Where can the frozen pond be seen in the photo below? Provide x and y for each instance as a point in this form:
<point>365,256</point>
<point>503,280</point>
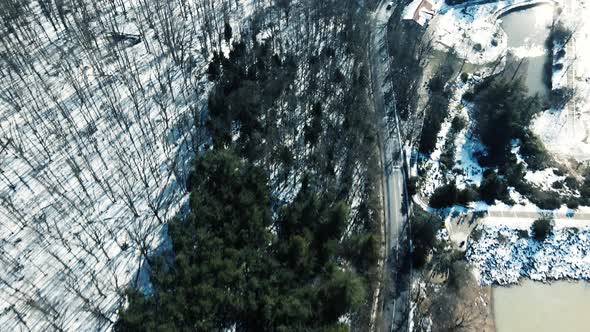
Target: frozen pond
<point>527,32</point>
<point>537,307</point>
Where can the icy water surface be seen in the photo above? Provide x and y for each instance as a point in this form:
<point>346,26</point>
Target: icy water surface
<point>537,307</point>
<point>527,32</point>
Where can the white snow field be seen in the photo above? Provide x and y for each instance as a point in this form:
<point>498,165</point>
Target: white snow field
<point>95,142</point>
<point>566,132</point>
<point>503,256</point>
<point>471,32</point>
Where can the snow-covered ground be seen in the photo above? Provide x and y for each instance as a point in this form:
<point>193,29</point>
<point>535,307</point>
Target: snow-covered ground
<point>566,132</point>
<point>467,169</point>
<point>96,140</point>
<point>95,144</point>
<point>503,255</point>
<point>471,32</point>
<point>435,176</point>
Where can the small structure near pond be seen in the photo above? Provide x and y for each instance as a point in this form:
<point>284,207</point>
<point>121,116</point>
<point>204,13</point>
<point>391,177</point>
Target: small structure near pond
<point>420,11</point>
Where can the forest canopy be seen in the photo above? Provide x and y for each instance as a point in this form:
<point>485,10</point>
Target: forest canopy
<point>233,267</point>
<point>246,257</point>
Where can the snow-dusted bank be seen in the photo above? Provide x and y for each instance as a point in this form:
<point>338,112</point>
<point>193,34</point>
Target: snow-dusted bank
<point>503,255</point>
<point>565,130</point>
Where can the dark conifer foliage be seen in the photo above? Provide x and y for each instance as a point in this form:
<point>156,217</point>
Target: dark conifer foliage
<point>229,268</point>
<point>248,256</point>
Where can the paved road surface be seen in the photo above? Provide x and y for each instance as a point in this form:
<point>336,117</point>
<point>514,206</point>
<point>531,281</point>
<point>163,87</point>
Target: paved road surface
<point>393,177</point>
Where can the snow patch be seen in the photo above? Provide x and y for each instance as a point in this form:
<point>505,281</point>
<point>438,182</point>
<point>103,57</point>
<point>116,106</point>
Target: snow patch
<point>503,255</point>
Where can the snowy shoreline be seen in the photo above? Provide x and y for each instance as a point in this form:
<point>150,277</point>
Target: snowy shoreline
<point>503,255</point>
<point>505,252</point>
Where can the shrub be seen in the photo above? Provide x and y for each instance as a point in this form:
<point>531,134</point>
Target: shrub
<point>585,189</point>
<point>447,157</point>
<point>572,183</point>
<point>423,234</point>
<point>438,108</point>
<point>468,96</point>
<point>548,71</point>
<point>560,33</point>
<point>573,203</point>
<point>435,115</point>
<point>523,234</point>
<point>464,77</point>
<point>467,195</point>
<point>460,275</point>
<point>561,96</point>
<point>444,196</point>
<point>493,187</point>
<point>546,200</point>
<point>504,111</point>
<point>413,185</point>
<point>557,185</point>
<point>542,228</point>
<point>533,151</point>
<point>458,124</point>
<point>476,234</point>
